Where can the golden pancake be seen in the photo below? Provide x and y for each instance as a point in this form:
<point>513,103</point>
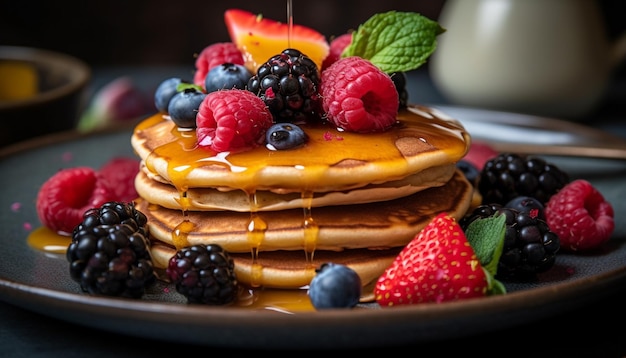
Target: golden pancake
<point>208,199</point>
<point>331,160</point>
<point>374,225</point>
<point>292,269</point>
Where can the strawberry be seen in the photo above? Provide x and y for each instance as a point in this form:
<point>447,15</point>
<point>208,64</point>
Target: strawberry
<point>581,216</point>
<point>438,265</point>
<point>259,38</point>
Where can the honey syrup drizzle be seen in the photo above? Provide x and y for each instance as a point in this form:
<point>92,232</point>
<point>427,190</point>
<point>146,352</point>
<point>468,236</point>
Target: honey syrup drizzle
<point>246,170</point>
<point>184,157</point>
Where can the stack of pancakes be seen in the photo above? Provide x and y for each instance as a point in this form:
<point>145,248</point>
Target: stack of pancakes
<point>350,198</point>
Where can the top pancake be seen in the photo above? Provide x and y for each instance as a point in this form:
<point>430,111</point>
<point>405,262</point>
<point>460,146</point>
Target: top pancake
<point>330,161</point>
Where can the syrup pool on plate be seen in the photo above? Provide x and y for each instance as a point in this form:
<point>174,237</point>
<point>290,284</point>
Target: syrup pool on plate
<point>285,301</point>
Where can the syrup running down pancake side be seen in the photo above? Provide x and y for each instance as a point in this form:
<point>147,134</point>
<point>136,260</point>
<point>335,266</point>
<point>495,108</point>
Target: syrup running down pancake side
<point>371,229</point>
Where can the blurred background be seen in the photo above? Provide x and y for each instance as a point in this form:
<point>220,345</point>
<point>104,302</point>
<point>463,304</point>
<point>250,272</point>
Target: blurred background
<point>167,32</point>
<point>156,39</point>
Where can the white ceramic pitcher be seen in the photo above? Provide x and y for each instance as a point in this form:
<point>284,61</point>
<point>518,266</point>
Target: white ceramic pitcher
<point>545,57</point>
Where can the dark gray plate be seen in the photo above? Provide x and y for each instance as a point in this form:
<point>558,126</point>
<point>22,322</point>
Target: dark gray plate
<point>40,282</point>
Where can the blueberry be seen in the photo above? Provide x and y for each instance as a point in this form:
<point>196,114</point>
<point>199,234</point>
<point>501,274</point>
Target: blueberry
<point>335,286</point>
<point>165,91</point>
<point>282,136</point>
<point>184,106</point>
<point>527,204</point>
<point>472,174</point>
<point>227,76</point>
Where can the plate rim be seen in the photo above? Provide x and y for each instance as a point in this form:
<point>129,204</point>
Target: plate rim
<point>549,299</point>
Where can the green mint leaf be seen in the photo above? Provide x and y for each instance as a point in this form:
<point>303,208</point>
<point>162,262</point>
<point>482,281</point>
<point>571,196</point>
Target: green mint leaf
<point>486,235</point>
<point>395,41</point>
<point>184,85</point>
<point>494,287</point>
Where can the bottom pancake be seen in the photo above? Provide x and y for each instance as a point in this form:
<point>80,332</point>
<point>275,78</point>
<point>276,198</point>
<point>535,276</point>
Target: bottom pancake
<point>293,269</point>
<point>374,225</point>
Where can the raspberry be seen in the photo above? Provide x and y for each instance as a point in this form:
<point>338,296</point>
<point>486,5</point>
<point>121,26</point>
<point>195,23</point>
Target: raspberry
<point>213,55</point>
<point>358,97</point>
<point>232,120</point>
<point>64,197</point>
<point>337,45</point>
<point>120,172</point>
<point>581,216</point>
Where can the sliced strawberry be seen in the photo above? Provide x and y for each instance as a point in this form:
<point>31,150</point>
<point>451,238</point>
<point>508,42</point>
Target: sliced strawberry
<point>64,197</point>
<point>438,265</point>
<point>581,216</point>
<point>259,38</point>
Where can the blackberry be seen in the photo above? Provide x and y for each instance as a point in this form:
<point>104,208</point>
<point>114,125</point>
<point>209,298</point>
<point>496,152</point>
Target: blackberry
<point>529,245</point>
<point>510,175</point>
<point>528,204</point>
<point>110,251</point>
<point>204,274</point>
<point>399,80</point>
<point>288,84</point>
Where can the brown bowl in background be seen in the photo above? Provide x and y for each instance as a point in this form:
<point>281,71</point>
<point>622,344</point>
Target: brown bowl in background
<point>41,92</point>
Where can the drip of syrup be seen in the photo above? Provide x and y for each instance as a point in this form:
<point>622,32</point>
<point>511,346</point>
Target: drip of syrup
<point>289,22</point>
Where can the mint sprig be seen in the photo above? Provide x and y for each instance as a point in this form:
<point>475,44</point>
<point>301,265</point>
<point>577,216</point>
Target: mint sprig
<point>486,236</point>
<point>395,41</point>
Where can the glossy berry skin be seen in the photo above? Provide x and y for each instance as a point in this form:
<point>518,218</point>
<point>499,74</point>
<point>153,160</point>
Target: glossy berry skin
<point>281,136</point>
<point>288,84</point>
<point>530,247</point>
<point>510,175</point>
<point>227,76</point>
<point>164,93</point>
<point>335,286</point>
<point>183,107</point>
<point>399,80</point>
<point>215,55</point>
<point>110,252</point>
<point>528,204</point>
<point>204,274</point>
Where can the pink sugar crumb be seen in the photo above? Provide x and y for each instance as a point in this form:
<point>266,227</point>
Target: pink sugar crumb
<point>67,156</point>
<point>15,207</point>
<point>28,226</point>
<point>328,136</point>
